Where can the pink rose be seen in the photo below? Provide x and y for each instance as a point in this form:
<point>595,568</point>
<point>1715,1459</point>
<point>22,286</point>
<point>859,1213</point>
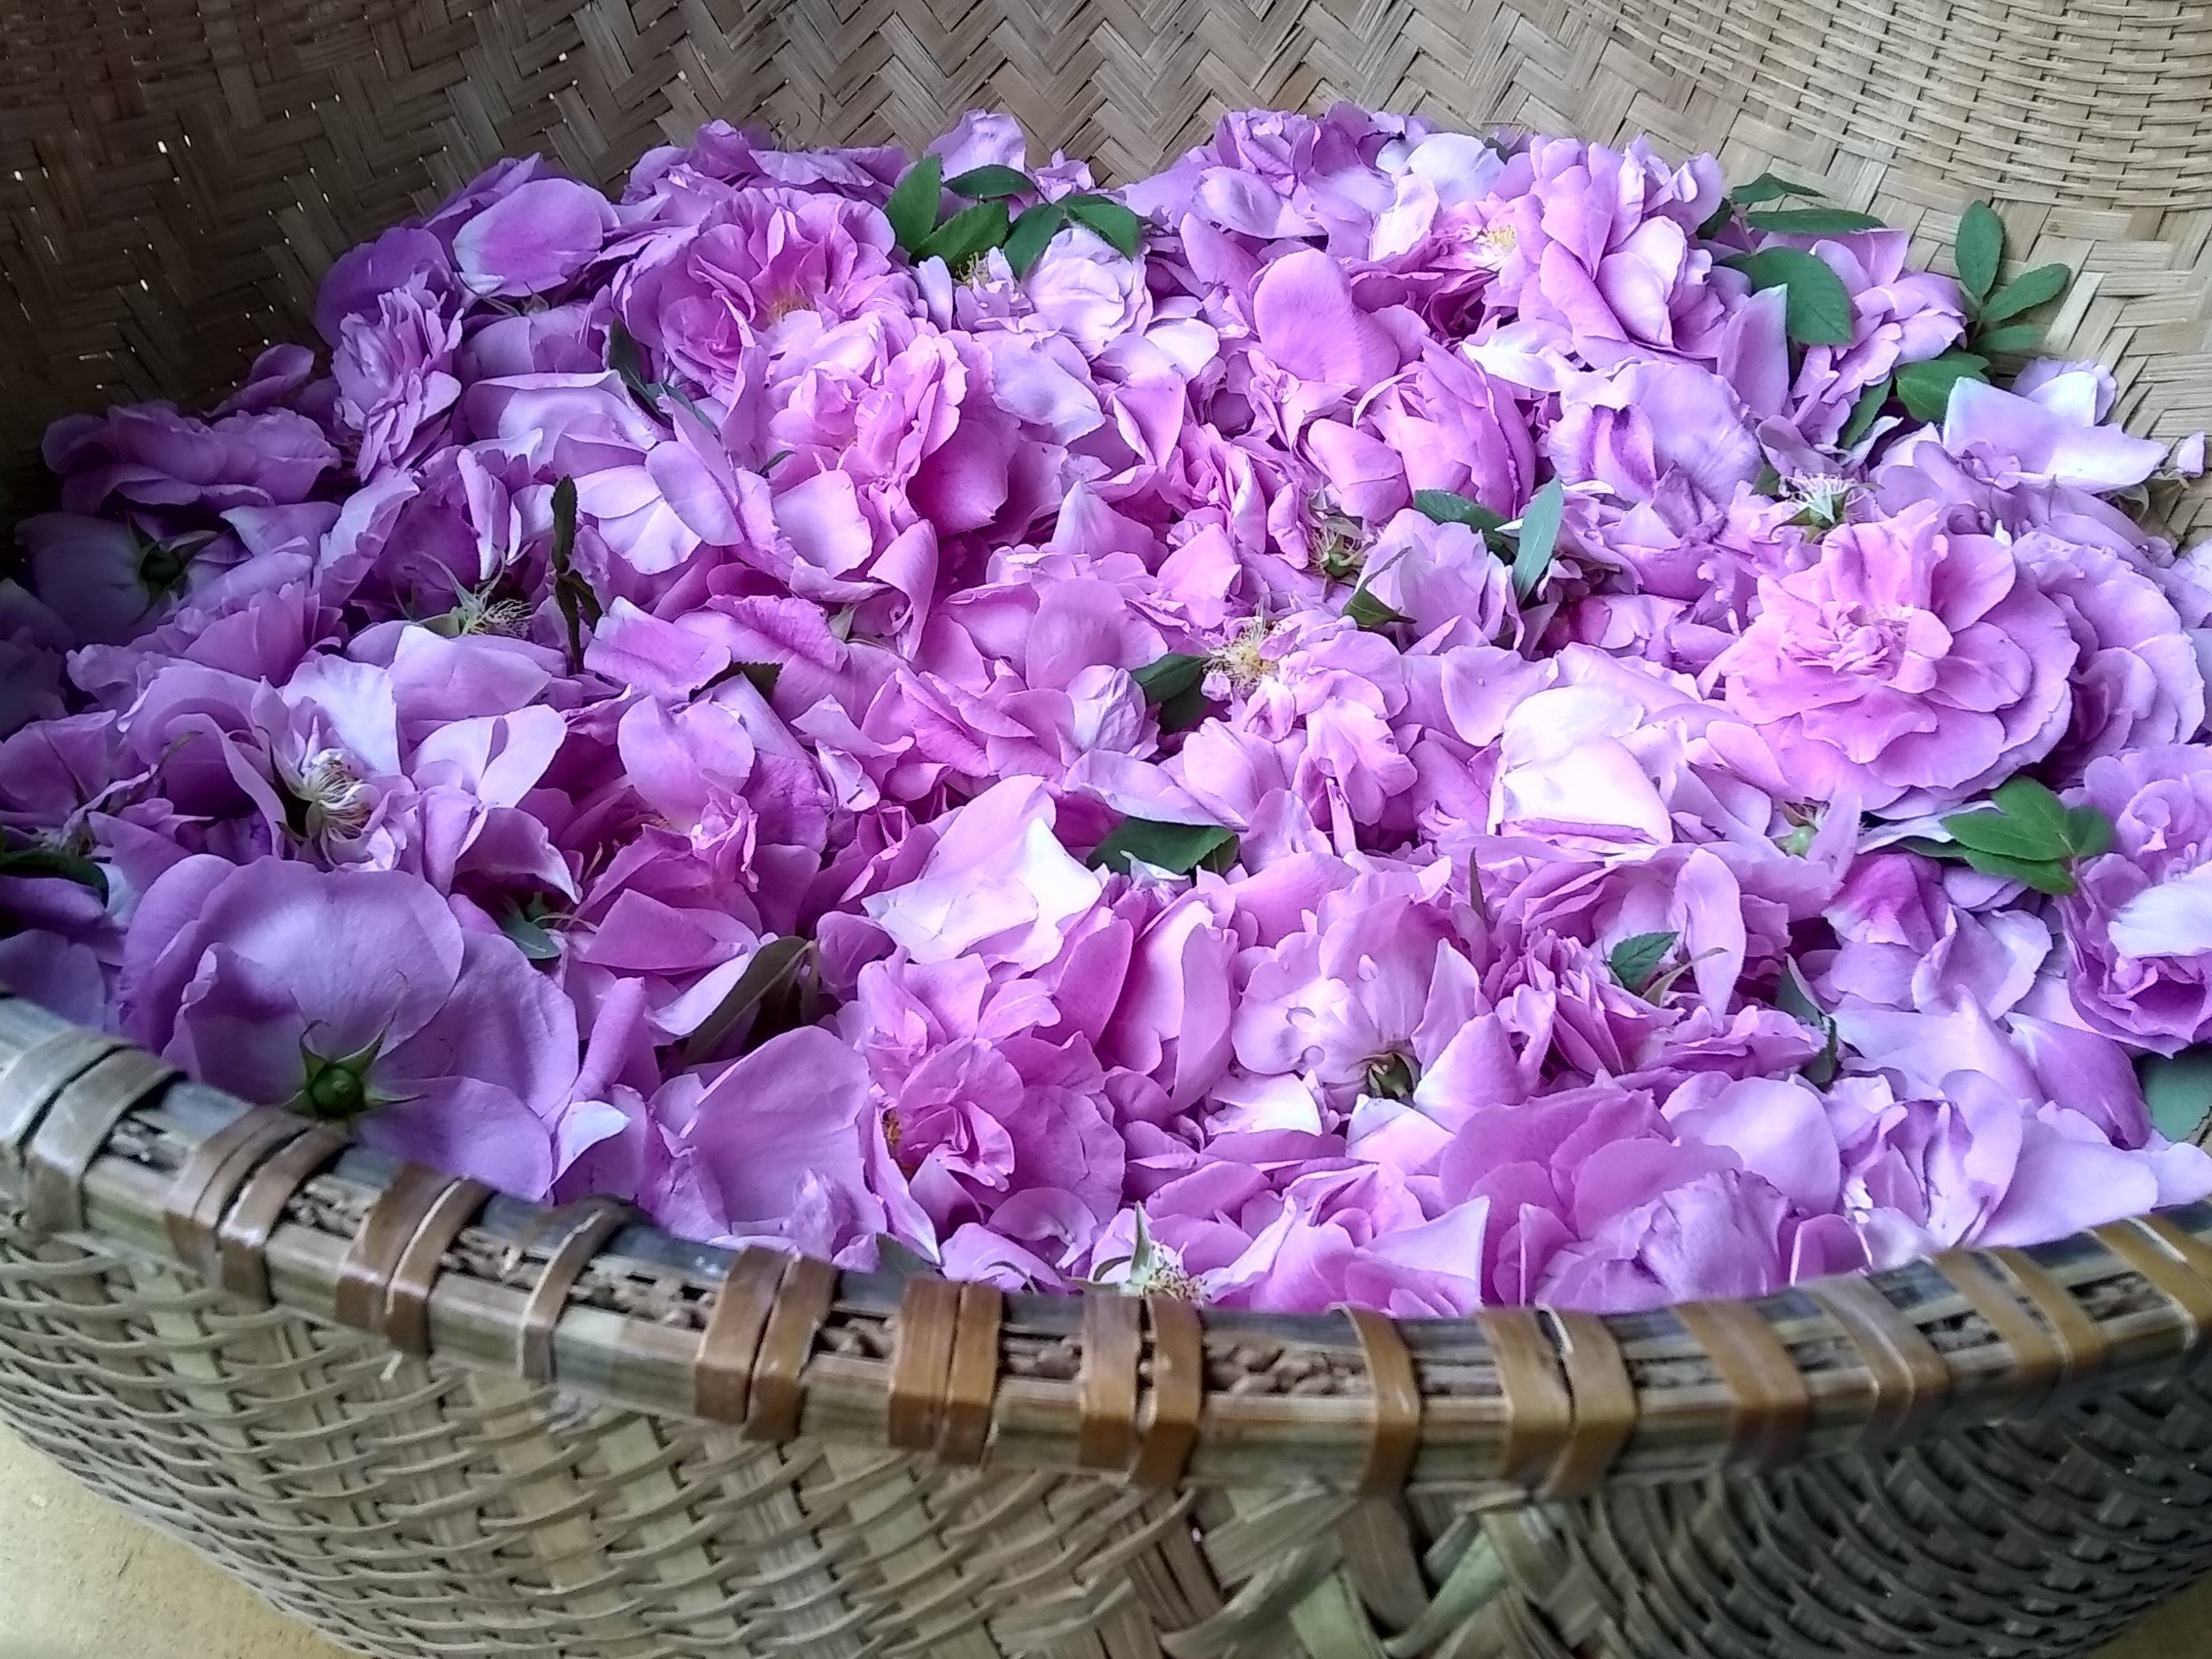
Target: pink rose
<point>1918,666</point>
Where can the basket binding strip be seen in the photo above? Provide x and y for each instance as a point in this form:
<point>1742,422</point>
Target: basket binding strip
<point>437,1423</point>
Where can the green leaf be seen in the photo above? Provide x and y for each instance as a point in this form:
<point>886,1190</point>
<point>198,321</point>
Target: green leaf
<point>1865,412</point>
<point>1767,187</point>
<point>1183,711</point>
<point>1109,218</point>
<point>773,964</point>
<point>1819,306</point>
<point>2030,836</point>
<point>2026,291</point>
<point>1717,221</point>
<point>1981,249</point>
<point>1821,1070</point>
<point>1367,611</point>
<point>1391,1077</point>
<point>531,937</point>
<point>2024,798</point>
<point>2178,1091</point>
<point>563,527</point>
<point>163,567</point>
<point>1924,387</point>
<point>1637,958</point>
<point>1444,506</point>
<point>912,209</point>
<point>2017,340</point>
<point>570,592</point>
<point>2004,835</point>
<point>336,1088</point>
<point>623,355</point>
<point>1794,998</point>
<point>894,1258</point>
<point>1033,234</point>
<point>2044,875</point>
<point>581,599</point>
<point>2088,831</point>
<point>624,359</point>
<point>1927,846</point>
<point>763,676</point>
<point>1812,222</point>
<point>1166,678</point>
<point>1178,848</point>
<point>1538,537</point>
<point>982,183</point>
<point>969,231</point>
<point>55,861</point>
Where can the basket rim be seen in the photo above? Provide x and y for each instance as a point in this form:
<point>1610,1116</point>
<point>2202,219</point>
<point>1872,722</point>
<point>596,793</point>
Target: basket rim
<point>116,1152</point>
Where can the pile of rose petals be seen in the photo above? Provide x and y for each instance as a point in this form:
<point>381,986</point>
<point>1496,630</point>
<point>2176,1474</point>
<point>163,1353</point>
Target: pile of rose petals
<point>1377,718</point>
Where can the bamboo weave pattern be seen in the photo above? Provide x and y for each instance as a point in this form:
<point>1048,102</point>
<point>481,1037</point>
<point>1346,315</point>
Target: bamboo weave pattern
<point>355,1385</point>
<point>418,1510</point>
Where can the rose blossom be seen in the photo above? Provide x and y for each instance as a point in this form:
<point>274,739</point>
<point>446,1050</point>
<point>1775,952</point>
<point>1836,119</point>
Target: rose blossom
<point>702,295</point>
<point>1601,242</point>
<point>531,237</point>
<point>31,639</point>
<point>152,455</point>
<point>2137,683</point>
<point>1906,942</point>
<point>2140,929</point>
<point>392,374</point>
<point>401,259</point>
<point>1444,423</point>
<point>1914,664</point>
<point>1638,427</point>
<point>1899,316</point>
<point>1268,173</point>
<point>354,996</point>
<point>103,578</point>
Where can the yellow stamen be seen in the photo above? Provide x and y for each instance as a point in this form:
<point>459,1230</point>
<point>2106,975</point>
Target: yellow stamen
<point>1494,243</point>
<point>1243,662</point>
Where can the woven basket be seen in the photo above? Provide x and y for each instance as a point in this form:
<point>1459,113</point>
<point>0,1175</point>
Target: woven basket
<point>433,1424</point>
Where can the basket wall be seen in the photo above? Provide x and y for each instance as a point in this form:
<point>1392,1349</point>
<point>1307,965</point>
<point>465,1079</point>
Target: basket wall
<point>1858,1502</point>
<point>430,1510</point>
<point>175,174</point>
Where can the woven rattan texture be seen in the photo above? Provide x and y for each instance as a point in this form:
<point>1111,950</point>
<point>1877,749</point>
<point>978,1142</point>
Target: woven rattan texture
<point>421,1510</point>
<point>412,1510</point>
<point>175,174</point>
<point>2019,1540</point>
